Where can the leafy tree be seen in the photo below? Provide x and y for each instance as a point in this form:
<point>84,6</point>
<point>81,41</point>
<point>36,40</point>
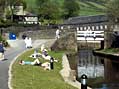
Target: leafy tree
<point>12,3</point>
<point>71,8</point>
<point>41,2</point>
<point>2,7</point>
<point>113,10</point>
<point>48,10</point>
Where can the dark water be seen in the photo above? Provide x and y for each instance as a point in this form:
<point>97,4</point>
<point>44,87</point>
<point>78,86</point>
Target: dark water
<point>93,67</point>
<point>90,65</point>
<point>109,86</point>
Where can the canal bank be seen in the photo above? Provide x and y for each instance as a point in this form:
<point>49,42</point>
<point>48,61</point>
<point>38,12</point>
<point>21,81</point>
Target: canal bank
<point>68,43</point>
<point>111,64</point>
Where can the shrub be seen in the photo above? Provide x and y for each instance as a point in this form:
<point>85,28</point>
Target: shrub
<point>5,43</point>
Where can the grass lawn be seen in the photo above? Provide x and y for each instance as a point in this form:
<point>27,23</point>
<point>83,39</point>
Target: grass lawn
<point>96,5</point>
<point>35,77</point>
<point>110,50</point>
<point>89,12</point>
<point>91,8</point>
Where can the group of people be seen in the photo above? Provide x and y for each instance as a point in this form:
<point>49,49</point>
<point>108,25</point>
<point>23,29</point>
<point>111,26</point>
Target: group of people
<point>28,42</point>
<point>36,62</point>
<point>44,54</point>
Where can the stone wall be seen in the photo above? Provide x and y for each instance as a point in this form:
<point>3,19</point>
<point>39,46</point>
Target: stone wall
<point>67,42</point>
<point>40,34</point>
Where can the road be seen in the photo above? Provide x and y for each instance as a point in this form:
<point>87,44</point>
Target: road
<point>10,54</point>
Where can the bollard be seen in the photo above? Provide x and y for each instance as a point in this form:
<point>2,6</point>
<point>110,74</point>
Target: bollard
<point>51,63</point>
<point>83,81</point>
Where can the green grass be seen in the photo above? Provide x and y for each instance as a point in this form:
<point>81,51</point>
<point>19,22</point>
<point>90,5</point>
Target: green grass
<point>111,50</point>
<point>96,5</point>
<point>83,4</point>
<point>35,77</point>
<point>90,12</point>
<point>91,8</point>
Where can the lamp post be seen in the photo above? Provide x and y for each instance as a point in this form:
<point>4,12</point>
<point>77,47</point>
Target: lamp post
<point>83,81</point>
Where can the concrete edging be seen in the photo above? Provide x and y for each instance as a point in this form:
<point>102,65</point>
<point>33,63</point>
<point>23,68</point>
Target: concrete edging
<point>65,73</point>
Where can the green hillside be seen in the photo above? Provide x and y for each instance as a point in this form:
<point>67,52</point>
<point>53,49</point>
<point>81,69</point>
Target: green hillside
<point>91,8</point>
<point>86,7</point>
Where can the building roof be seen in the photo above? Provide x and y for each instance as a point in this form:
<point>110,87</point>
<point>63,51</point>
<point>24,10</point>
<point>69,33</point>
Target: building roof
<point>87,19</point>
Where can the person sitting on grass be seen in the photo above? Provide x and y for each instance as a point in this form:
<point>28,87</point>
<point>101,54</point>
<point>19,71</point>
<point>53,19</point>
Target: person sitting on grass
<point>42,47</point>
<point>45,65</point>
<point>46,56</point>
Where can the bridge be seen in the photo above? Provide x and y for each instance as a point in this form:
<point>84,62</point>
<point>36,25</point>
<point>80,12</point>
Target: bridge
<point>94,33</point>
<point>89,28</point>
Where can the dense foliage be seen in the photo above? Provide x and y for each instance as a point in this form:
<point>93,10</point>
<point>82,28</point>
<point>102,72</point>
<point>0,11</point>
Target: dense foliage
<point>53,11</point>
<point>48,9</point>
<point>113,10</point>
<point>71,8</point>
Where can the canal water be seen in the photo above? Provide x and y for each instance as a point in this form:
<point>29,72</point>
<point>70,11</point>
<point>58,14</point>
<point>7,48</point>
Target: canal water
<point>93,67</point>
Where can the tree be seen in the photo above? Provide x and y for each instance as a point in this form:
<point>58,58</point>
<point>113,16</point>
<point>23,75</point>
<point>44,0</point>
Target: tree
<point>48,10</point>
<point>113,10</point>
<point>2,7</point>
<point>13,3</point>
<point>41,2</point>
<point>71,8</point>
